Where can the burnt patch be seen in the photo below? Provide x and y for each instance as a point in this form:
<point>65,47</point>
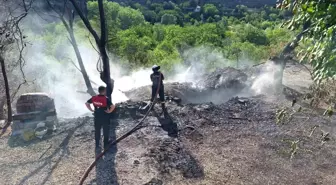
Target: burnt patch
<point>170,155</point>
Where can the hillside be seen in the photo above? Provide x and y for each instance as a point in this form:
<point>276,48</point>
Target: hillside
<point>235,142</point>
<point>240,110</point>
<point>227,3</point>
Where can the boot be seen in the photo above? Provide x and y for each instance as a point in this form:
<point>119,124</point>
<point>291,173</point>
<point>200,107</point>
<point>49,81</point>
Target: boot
<point>164,111</point>
<point>163,106</point>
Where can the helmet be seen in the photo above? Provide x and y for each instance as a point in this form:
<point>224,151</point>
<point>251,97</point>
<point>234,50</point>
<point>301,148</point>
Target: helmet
<point>155,67</point>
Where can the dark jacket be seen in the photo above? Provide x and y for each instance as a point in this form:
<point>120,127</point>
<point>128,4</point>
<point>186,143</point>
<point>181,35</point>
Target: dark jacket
<point>156,78</point>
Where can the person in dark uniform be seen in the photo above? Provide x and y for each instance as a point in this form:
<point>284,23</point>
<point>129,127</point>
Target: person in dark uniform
<point>103,108</point>
<point>157,85</point>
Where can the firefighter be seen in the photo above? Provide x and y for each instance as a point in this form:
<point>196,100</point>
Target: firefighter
<point>103,108</point>
<point>157,85</point>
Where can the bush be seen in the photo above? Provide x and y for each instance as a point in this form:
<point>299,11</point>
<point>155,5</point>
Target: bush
<point>254,35</point>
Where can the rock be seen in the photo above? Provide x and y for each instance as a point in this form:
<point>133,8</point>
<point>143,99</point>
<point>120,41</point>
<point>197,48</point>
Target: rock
<point>227,78</point>
<point>136,162</point>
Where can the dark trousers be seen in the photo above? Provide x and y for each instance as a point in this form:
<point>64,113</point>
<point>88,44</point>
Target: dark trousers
<point>99,122</point>
<point>161,93</point>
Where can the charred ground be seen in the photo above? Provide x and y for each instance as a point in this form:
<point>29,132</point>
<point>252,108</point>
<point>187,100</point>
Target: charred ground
<point>239,141</point>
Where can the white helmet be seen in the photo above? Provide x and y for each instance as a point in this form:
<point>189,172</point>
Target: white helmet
<point>155,67</point>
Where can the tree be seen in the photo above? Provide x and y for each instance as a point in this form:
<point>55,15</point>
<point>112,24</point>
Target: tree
<point>101,41</point>
<point>193,3</point>
<point>168,5</point>
<point>239,11</point>
<point>168,19</point>
<point>210,20</point>
<point>210,10</point>
<point>111,10</point>
<point>318,19</point>
<point>254,35</point>
<point>11,34</point>
<point>134,44</point>
<point>129,17</point>
<point>150,16</point>
<point>68,24</point>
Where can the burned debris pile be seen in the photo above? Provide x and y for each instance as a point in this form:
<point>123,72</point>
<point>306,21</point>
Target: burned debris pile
<point>216,87</point>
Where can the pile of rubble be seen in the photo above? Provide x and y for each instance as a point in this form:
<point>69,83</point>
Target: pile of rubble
<point>217,87</point>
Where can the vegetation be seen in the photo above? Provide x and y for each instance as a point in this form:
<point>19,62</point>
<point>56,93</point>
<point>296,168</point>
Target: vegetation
<point>161,33</point>
<point>318,18</point>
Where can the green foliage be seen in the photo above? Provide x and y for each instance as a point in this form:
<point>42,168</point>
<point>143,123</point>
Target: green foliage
<point>117,17</point>
<point>161,33</point>
<point>253,35</point>
<point>166,55</point>
<point>144,45</point>
<point>150,16</point>
<point>168,19</point>
<point>318,18</point>
<point>129,17</point>
<point>278,35</point>
<point>210,10</point>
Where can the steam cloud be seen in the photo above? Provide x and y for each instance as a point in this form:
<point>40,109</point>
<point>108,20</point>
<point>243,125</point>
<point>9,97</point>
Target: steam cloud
<point>64,82</point>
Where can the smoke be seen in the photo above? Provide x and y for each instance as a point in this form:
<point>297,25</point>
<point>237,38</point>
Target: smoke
<point>265,79</point>
<point>202,60</point>
<point>64,82</point>
<point>60,80</point>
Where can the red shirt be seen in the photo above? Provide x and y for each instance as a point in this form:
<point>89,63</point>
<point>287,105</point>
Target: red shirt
<point>100,103</point>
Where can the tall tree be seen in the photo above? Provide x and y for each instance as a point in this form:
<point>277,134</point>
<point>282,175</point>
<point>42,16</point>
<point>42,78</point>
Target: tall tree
<point>318,19</point>
<point>13,12</point>
<point>66,15</point>
<point>101,41</point>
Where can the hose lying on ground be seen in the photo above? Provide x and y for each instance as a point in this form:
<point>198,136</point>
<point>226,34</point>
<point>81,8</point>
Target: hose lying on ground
<point>135,128</point>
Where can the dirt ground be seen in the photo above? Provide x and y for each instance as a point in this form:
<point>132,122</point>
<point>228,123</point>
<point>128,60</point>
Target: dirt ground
<point>241,141</point>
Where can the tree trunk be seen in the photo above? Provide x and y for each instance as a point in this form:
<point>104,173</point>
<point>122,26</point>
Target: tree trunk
<point>106,72</point>
<point>8,98</point>
<point>282,61</point>
<point>2,106</point>
<point>80,62</point>
<point>102,50</point>
<point>101,43</point>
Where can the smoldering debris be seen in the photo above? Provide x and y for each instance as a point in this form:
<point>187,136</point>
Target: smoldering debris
<point>216,87</point>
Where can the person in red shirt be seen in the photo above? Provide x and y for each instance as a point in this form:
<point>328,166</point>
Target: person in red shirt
<point>103,107</point>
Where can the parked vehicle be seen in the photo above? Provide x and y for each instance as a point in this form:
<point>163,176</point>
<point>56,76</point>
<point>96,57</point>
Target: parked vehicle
<point>35,115</point>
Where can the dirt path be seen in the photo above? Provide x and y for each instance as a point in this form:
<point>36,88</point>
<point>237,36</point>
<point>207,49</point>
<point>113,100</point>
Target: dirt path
<point>298,77</point>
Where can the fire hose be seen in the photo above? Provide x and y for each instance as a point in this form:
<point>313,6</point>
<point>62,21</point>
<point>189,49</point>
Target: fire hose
<point>128,133</point>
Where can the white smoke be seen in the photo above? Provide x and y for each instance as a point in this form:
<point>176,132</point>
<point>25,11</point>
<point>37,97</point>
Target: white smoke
<point>64,82</point>
<point>264,81</point>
